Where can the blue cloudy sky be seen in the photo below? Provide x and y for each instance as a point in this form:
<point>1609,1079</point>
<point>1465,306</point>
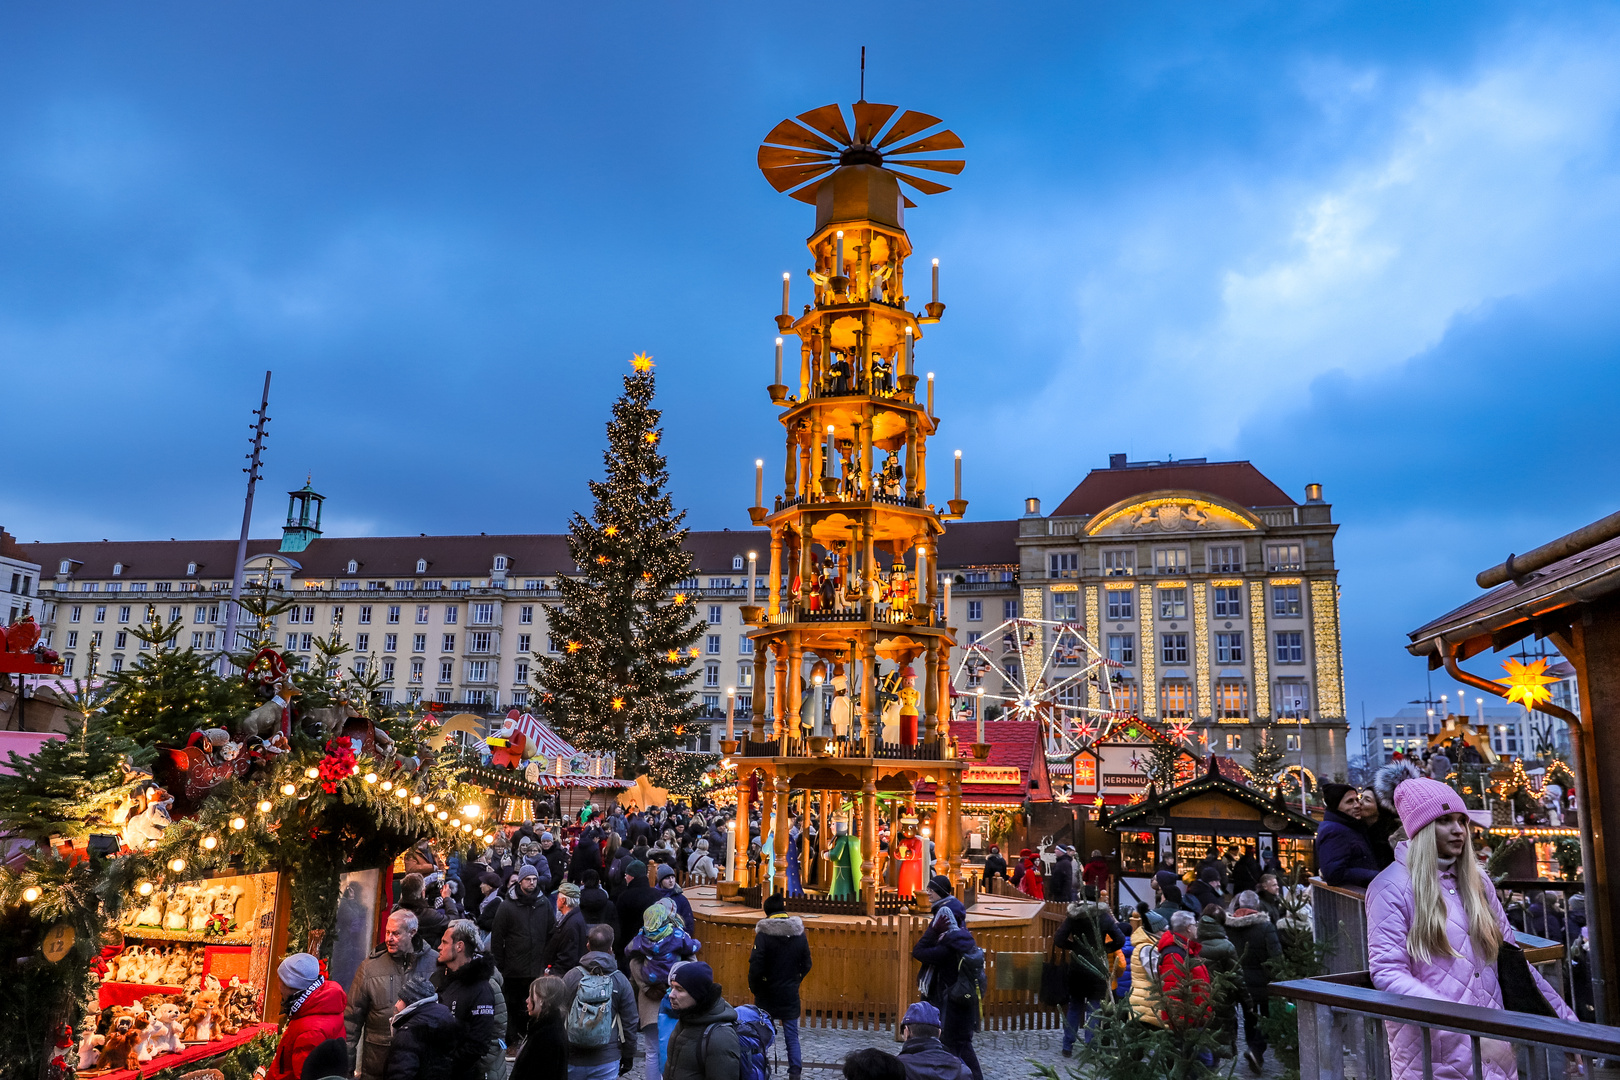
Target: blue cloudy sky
<point>1371,245</point>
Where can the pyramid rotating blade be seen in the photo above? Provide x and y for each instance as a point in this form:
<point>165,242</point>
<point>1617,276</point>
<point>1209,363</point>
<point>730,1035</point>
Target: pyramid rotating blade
<point>927,187</point>
<point>787,133</point>
<point>807,194</point>
<point>829,120</point>
<point>908,125</point>
<point>934,166</point>
<point>869,120</point>
<point>909,204</point>
<point>792,175</point>
<point>774,157</point>
<point>939,140</point>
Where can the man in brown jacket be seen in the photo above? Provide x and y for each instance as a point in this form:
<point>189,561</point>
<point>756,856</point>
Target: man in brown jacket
<point>376,988</point>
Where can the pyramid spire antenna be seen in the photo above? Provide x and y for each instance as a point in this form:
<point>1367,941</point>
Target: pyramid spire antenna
<point>863,72</point>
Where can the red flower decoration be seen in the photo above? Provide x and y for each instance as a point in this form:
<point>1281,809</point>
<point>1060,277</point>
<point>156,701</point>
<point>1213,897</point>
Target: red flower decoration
<point>338,764</point>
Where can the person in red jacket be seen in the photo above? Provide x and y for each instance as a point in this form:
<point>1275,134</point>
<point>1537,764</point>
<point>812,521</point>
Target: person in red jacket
<point>314,1009</point>
<point>1184,982</point>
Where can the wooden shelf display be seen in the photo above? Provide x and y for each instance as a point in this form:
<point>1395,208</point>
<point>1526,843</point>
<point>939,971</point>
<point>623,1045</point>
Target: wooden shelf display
<point>178,993</point>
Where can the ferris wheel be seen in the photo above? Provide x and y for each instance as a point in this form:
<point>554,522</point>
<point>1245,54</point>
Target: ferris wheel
<point>1041,669</point>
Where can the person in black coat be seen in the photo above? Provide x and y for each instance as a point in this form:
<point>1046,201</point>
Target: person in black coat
<point>424,1034</point>
<point>631,905</point>
<point>463,982</point>
<point>1060,885</point>
<point>556,857</point>
<point>776,967</point>
<point>1254,936</point>
<point>517,943</point>
<point>567,942</point>
<point>489,902</point>
<point>430,921</point>
<point>587,856</point>
<point>1088,934</point>
<point>994,867</point>
<point>1246,873</point>
<point>595,905</point>
<point>1342,851</point>
<point>544,1055</point>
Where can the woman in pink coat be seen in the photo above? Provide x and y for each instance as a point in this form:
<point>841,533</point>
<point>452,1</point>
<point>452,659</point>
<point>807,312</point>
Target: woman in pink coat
<point>1434,927</point>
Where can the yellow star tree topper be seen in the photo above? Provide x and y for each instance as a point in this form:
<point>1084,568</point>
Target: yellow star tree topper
<point>1525,682</point>
<point>642,362</point>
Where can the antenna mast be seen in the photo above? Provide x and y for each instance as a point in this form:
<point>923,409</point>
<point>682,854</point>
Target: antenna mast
<point>252,470</point>
<point>863,72</point>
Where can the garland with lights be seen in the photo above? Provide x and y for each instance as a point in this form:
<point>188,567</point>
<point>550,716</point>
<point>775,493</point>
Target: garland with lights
<point>623,682</point>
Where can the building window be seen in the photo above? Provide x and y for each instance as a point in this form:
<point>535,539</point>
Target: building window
<point>523,643</point>
<point>1175,699</point>
<point>1234,740</point>
<point>306,642</point>
<point>449,643</point>
<point>1170,560</point>
<point>1065,606</point>
<point>716,614</point>
<point>500,562</point>
<point>101,613</point>
<point>1290,647</point>
<point>74,613</point>
<point>975,611</point>
<point>442,696</point>
<point>1228,601</point>
<point>337,615</point>
<point>745,675</point>
<point>520,698</point>
<point>174,613</point>
<point>73,639</point>
<point>745,646</point>
<point>450,612</point>
<point>365,614</point>
<point>1231,699</point>
<point>447,671</point>
<point>121,640</point>
<point>520,671</point>
<point>1224,558</point>
<point>483,614</point>
<point>553,643</point>
<point>390,642</point>
<point>526,614</point>
<point>1173,648</point>
<point>1128,697</point>
<point>1292,742</point>
<point>123,613</point>
<point>117,664</point>
<point>1120,563</point>
<point>1122,648</point>
<point>416,671</point>
<point>711,674</point>
<point>362,642</point>
<point>478,671</point>
<point>1173,603</point>
<point>421,566</point>
<point>1285,600</point>
<point>418,643</point>
<point>1066,565</point>
<point>1009,609</point>
<point>421,613</point>
<point>1284,557</point>
<point>711,644</point>
<point>388,671</point>
<point>1292,699</point>
<point>1121,603</point>
<point>348,586</point>
<point>478,641</point>
<point>67,665</point>
<point>1229,648</point>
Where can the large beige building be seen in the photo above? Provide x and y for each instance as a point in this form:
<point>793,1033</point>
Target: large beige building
<point>1212,589</point>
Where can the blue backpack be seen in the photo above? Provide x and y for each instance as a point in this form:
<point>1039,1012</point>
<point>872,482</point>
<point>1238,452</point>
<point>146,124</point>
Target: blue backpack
<point>755,1036</point>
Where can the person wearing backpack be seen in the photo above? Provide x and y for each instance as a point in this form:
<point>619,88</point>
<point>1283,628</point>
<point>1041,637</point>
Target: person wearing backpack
<point>778,964</point>
<point>952,977</point>
<point>600,1009</point>
<point>704,1044</point>
<point>651,956</point>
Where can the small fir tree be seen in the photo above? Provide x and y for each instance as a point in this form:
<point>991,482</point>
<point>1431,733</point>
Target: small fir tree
<point>168,692</point>
<point>70,787</point>
<point>1268,759</point>
<point>626,627</point>
<point>1164,763</point>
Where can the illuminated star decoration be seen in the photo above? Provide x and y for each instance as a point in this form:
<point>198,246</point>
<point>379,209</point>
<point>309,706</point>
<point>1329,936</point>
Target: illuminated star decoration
<point>618,703</point>
<point>1525,682</point>
<point>1181,730</point>
<point>612,530</point>
<point>642,362</point>
<point>674,655</point>
<point>573,646</point>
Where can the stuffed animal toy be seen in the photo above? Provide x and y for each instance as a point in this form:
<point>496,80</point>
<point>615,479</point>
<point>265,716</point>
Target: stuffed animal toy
<point>152,913</point>
<point>90,1048</point>
<point>177,966</point>
<point>241,1006</point>
<point>229,900</point>
<point>202,906</point>
<point>179,907</point>
<point>163,1033</point>
<point>148,817</point>
<point>204,1022</point>
<point>121,1048</point>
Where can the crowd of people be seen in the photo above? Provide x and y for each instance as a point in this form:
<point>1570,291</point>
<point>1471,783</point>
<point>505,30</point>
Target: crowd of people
<point>570,953</point>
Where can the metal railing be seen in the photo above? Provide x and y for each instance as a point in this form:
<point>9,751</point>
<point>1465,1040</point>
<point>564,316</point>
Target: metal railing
<point>1343,1021</point>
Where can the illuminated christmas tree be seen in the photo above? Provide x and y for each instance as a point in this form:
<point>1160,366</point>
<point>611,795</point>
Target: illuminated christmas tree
<point>1268,759</point>
<point>168,692</point>
<point>626,629</point>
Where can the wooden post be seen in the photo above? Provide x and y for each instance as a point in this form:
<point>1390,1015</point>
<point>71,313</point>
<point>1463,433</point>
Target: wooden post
<point>780,651</point>
<point>868,693</point>
<point>953,824</point>
<point>767,810</point>
<point>869,843</point>
<point>776,575</point>
<point>756,727</point>
<point>790,715</point>
<point>779,879</point>
<point>931,689</point>
<point>739,836</point>
<point>804,842</point>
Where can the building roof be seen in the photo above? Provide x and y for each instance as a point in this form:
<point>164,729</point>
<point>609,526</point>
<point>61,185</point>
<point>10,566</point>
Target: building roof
<point>1013,744</point>
<point>1211,781</point>
<point>533,554</point>
<point>979,543</point>
<point>1540,602</point>
<point>1235,481</point>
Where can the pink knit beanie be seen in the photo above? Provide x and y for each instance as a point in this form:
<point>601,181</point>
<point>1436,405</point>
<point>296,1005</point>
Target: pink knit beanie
<point>1420,800</point>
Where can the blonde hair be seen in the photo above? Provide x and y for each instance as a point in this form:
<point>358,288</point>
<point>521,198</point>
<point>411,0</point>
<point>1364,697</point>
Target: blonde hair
<point>1427,936</point>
